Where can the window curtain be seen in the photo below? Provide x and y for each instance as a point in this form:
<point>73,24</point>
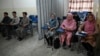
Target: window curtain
<point>81,5</point>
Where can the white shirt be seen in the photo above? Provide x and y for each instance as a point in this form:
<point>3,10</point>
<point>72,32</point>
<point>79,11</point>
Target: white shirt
<point>15,21</point>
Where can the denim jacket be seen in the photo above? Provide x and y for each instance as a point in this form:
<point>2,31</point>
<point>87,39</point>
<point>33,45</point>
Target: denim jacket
<point>53,23</point>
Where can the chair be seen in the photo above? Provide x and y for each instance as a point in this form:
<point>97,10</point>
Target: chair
<point>82,15</point>
<point>28,30</point>
<point>34,20</point>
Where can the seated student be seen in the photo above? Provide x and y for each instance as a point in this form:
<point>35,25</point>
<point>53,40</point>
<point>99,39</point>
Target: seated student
<point>23,25</point>
<point>69,25</point>
<point>15,21</point>
<point>90,27</point>
<point>5,26</point>
<point>52,26</point>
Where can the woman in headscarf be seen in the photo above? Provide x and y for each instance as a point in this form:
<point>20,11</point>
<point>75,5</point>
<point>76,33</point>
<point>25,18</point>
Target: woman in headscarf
<point>90,27</point>
<point>52,25</point>
<point>69,25</point>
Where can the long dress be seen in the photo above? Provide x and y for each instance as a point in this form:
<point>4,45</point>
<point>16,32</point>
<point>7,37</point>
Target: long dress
<point>66,36</point>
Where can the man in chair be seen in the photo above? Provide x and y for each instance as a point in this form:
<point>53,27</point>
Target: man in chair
<point>5,26</point>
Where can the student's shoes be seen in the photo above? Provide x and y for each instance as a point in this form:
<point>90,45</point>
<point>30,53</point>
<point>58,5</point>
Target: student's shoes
<point>65,47</point>
<point>90,54</point>
<point>4,35</point>
<point>69,46</point>
<point>20,39</point>
<point>72,49</point>
<point>49,46</point>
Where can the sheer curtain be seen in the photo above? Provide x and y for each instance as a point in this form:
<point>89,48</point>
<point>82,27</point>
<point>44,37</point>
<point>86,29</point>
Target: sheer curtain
<point>43,10</point>
<point>81,5</point>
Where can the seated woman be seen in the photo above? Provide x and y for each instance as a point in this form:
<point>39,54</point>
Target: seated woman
<point>90,27</point>
<point>52,26</point>
<point>69,25</point>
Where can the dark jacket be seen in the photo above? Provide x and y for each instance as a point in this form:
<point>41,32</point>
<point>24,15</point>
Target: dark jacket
<point>6,20</point>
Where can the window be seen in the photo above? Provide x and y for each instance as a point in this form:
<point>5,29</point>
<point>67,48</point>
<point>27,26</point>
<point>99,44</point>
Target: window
<point>81,5</point>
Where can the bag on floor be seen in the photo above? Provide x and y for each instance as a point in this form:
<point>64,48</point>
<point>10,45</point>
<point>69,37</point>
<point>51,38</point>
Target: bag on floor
<point>56,43</point>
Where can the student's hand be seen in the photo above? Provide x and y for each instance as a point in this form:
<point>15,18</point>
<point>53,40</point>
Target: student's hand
<point>52,29</point>
<point>47,23</point>
<point>10,24</point>
<point>48,27</point>
<point>68,29</point>
<point>24,25</point>
<point>79,30</point>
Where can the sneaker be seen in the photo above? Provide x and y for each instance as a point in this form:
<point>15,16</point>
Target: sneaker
<point>4,35</point>
<point>72,49</point>
<point>49,46</point>
<point>69,46</point>
<point>65,47</point>
<point>20,39</point>
<point>90,54</point>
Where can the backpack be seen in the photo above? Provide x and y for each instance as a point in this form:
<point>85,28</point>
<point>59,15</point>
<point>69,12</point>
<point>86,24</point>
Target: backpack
<point>56,43</point>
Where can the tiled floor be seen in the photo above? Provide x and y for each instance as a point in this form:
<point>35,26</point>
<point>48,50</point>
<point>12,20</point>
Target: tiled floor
<point>31,46</point>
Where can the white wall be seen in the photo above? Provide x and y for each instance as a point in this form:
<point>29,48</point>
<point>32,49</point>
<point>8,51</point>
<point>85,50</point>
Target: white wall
<point>19,6</point>
<point>17,3</point>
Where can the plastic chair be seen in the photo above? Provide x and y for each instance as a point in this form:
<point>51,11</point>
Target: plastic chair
<point>45,27</point>
<point>82,15</point>
<point>34,18</point>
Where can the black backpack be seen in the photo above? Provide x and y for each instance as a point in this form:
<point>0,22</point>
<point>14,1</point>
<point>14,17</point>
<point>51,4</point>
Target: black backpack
<point>57,43</point>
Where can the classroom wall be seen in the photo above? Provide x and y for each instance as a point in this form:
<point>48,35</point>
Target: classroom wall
<point>19,6</point>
